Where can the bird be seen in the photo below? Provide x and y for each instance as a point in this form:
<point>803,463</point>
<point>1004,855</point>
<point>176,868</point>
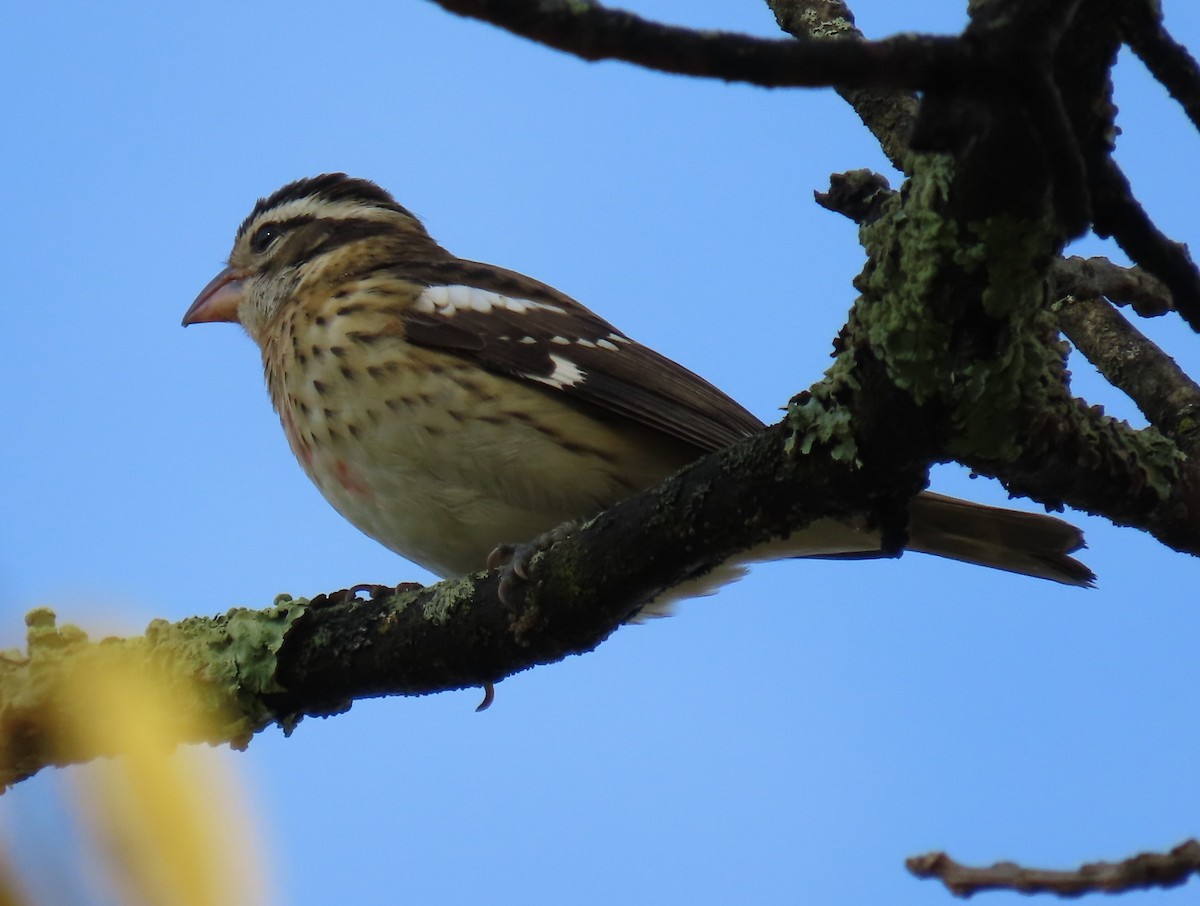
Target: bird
<point>448,407</point>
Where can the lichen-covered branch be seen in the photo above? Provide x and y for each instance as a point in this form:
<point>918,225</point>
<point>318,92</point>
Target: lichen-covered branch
<point>1130,361</point>
<point>1140,872</point>
<point>1063,451</point>
<point>237,673</point>
<point>217,672</point>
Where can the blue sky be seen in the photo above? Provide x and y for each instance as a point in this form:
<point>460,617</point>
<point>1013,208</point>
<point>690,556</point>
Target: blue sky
<point>792,739</point>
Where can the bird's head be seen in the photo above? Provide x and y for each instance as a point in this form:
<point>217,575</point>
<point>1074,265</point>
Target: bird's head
<point>324,228</point>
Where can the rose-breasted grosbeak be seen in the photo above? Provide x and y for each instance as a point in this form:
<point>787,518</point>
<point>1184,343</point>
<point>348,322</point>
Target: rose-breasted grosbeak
<point>445,406</point>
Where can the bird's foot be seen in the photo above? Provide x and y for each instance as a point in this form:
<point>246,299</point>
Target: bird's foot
<point>513,559</point>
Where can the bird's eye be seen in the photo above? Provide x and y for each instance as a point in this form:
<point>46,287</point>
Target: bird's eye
<point>264,236</point>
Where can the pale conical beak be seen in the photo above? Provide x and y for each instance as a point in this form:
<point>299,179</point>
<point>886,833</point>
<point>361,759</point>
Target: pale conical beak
<point>218,301</point>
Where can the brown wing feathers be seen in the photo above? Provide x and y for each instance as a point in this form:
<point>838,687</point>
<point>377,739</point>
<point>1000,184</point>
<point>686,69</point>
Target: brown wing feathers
<point>611,372</point>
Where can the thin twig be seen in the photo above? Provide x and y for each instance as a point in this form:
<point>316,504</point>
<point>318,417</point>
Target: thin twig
<point>1135,365</point>
<point>1143,871</point>
<point>1132,286</point>
<point>1118,214</point>
<point>1168,61</point>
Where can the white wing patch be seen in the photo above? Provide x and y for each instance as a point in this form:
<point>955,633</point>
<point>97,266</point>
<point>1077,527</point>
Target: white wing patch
<point>565,374</point>
<point>448,300</point>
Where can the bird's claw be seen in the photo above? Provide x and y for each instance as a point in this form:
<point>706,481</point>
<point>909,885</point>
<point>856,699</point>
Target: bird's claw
<point>514,560</point>
<point>489,696</point>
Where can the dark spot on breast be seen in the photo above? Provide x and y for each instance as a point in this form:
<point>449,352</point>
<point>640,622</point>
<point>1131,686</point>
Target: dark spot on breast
<point>320,387</point>
<point>353,431</point>
<point>319,320</point>
<point>434,430</point>
<point>490,419</point>
<point>338,351</point>
<point>457,416</point>
<point>316,352</point>
<point>347,373</point>
<point>471,386</point>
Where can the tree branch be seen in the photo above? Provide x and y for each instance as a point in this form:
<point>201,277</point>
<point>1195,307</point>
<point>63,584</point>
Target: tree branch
<point>1058,450</point>
<point>237,673</point>
<point>593,32</point>
<point>1004,53</point>
<point>1131,362</point>
<point>1164,393</point>
<point>1099,277</point>
<point>1141,872</point>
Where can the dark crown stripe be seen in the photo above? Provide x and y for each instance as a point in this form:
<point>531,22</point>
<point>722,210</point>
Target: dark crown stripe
<point>326,187</point>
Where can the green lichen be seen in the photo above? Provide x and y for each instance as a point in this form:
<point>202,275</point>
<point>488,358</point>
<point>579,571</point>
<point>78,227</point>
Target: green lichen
<point>909,245</point>
<point>1148,459</point>
<point>816,421</point>
<point>1016,255</point>
<point>215,671</point>
<point>818,27</point>
<point>234,657</point>
<point>918,257</point>
<point>446,598</point>
<point>43,633</point>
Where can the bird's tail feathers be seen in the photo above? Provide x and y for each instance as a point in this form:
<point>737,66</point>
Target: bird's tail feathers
<point>1030,544</point>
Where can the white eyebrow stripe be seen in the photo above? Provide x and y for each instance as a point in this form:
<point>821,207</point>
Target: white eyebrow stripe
<point>315,206</point>
<point>452,298</point>
<point>565,374</point>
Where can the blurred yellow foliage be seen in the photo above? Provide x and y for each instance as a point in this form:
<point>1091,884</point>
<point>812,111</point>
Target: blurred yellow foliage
<point>168,823</point>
